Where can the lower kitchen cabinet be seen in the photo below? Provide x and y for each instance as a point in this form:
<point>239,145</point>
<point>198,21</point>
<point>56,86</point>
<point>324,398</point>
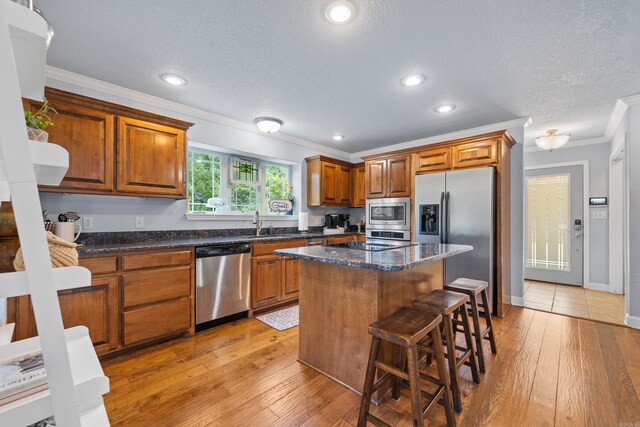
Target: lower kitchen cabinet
<point>274,279</point>
<point>134,299</point>
<point>336,240</point>
<point>95,307</point>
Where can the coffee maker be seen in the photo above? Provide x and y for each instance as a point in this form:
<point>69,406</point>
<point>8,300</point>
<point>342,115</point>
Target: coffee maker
<point>343,221</point>
<point>331,220</point>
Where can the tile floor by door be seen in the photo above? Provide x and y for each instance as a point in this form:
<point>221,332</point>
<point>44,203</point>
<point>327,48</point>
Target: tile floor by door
<point>574,301</point>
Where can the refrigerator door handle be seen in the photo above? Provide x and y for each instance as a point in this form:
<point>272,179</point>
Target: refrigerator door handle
<point>446,203</point>
<point>442,224</point>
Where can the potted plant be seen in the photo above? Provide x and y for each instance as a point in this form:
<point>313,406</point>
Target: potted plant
<point>37,122</point>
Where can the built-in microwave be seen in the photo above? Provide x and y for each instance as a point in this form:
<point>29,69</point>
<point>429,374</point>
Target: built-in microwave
<point>389,214</point>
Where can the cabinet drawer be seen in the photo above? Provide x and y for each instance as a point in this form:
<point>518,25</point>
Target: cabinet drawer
<point>156,259</point>
<point>258,249</point>
<point>475,154</point>
<point>147,287</point>
<point>335,240</point>
<point>433,160</point>
<point>102,265</point>
<point>156,321</point>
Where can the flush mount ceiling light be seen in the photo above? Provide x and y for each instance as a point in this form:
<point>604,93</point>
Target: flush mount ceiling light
<point>268,124</point>
<point>444,108</point>
<point>173,80</point>
<point>412,80</point>
<point>552,141</point>
<point>337,137</point>
<point>340,12</point>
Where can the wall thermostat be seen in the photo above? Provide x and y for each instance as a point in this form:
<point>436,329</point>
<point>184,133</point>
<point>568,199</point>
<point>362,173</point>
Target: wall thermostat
<point>597,201</point>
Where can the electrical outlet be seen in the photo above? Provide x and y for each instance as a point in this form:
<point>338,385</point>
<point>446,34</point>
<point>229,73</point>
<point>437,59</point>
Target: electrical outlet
<point>139,222</point>
<point>87,222</point>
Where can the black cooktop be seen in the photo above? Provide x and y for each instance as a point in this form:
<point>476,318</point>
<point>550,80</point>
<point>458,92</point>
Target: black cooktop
<point>373,246</point>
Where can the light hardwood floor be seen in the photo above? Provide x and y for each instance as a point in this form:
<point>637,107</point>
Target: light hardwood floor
<point>550,370</point>
<point>574,301</point>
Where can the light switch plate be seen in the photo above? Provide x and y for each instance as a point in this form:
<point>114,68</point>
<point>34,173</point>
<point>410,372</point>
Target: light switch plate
<point>139,222</point>
<point>600,214</point>
<point>87,222</point>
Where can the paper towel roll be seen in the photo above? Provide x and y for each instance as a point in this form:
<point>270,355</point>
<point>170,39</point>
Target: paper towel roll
<point>303,221</point>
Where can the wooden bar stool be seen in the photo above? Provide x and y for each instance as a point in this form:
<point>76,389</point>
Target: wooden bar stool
<point>473,288</point>
<point>404,329</point>
<point>449,304</point>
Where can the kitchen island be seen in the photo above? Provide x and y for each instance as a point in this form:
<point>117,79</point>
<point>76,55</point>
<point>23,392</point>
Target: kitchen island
<point>343,290</point>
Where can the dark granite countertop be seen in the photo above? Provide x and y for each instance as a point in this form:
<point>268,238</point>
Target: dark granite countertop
<point>389,260</point>
<point>100,243</point>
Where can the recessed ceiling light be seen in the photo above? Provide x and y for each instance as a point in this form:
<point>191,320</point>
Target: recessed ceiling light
<point>338,137</point>
<point>173,79</point>
<point>268,124</point>
<point>340,12</point>
<point>412,80</point>
<point>444,108</point>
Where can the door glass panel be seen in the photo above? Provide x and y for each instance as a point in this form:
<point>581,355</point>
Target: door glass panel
<point>548,222</point>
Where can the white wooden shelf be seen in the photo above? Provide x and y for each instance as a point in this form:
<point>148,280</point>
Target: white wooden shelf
<point>29,38</point>
<point>50,162</point>
<point>15,283</point>
<point>6,333</point>
<point>88,379</point>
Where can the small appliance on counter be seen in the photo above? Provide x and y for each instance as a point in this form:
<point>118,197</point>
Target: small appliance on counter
<point>331,220</point>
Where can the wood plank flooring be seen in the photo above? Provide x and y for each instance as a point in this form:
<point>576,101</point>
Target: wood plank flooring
<point>550,370</point>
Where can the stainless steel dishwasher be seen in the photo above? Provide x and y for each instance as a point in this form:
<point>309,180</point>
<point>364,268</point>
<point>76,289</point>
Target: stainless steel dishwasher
<point>223,278</point>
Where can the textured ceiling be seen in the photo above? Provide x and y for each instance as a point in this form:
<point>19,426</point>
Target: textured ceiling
<point>563,62</point>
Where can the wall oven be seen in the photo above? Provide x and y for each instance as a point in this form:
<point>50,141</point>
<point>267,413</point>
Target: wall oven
<point>389,218</point>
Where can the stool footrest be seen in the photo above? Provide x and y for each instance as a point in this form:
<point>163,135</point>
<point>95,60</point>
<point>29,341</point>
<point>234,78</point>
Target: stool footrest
<point>377,421</point>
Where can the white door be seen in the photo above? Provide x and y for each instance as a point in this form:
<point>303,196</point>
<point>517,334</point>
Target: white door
<point>554,225</point>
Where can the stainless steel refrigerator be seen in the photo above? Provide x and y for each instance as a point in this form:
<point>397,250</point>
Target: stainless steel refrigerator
<point>459,208</point>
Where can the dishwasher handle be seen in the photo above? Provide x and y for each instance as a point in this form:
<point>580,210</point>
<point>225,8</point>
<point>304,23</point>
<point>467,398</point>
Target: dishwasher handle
<point>222,250</point>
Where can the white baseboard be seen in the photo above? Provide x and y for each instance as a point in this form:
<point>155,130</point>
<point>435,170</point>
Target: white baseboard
<point>632,321</point>
<point>597,286</point>
<point>519,301</point>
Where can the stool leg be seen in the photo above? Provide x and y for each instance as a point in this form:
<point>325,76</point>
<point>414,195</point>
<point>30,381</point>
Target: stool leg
<point>367,390</point>
<point>436,336</point>
<point>467,337</point>
<point>453,365</point>
<point>398,363</point>
<point>475,316</point>
<point>487,312</point>
<point>414,385</point>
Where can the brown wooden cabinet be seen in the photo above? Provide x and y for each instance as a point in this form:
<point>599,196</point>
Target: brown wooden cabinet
<point>95,307</point>
<point>274,279</point>
<point>329,182</point>
<point>151,158</point>
<point>388,177</point>
<point>475,154</point>
<point>358,196</point>
<point>336,240</point>
<point>114,149</point>
<point>435,160</point>
<point>134,298</point>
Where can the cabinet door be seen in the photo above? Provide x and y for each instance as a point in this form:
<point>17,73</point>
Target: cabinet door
<point>475,154</point>
<point>344,185</point>
<point>151,159</point>
<point>88,136</point>
<point>290,278</point>
<point>399,175</point>
<point>156,321</point>
<point>335,240</point>
<point>376,178</point>
<point>438,159</point>
<point>95,307</point>
<point>266,280</point>
<point>329,176</point>
<point>358,198</point>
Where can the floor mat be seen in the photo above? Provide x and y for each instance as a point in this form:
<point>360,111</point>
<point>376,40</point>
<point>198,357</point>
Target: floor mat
<point>281,319</point>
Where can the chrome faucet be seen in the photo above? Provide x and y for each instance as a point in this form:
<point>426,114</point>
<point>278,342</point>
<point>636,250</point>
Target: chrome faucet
<point>257,222</point>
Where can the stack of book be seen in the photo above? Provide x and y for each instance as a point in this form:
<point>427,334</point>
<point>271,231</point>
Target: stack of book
<point>22,376</point>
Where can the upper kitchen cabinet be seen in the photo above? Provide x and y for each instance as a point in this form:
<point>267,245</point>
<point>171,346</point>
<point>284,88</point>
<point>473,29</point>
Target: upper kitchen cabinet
<point>116,150</point>
<point>358,196</point>
<point>388,177</point>
<point>330,182</point>
<point>151,158</point>
<point>474,154</point>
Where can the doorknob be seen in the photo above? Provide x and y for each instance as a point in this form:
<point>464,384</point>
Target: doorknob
<point>578,234</point>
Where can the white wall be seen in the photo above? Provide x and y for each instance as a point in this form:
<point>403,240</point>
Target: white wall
<point>118,213</point>
<point>617,207</point>
<point>598,157</point>
<point>517,217</point>
<point>633,297</point>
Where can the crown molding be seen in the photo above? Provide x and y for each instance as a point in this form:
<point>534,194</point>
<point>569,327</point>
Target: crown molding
<point>631,99</point>
<point>574,143</point>
<point>357,157</point>
<point>154,101</point>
